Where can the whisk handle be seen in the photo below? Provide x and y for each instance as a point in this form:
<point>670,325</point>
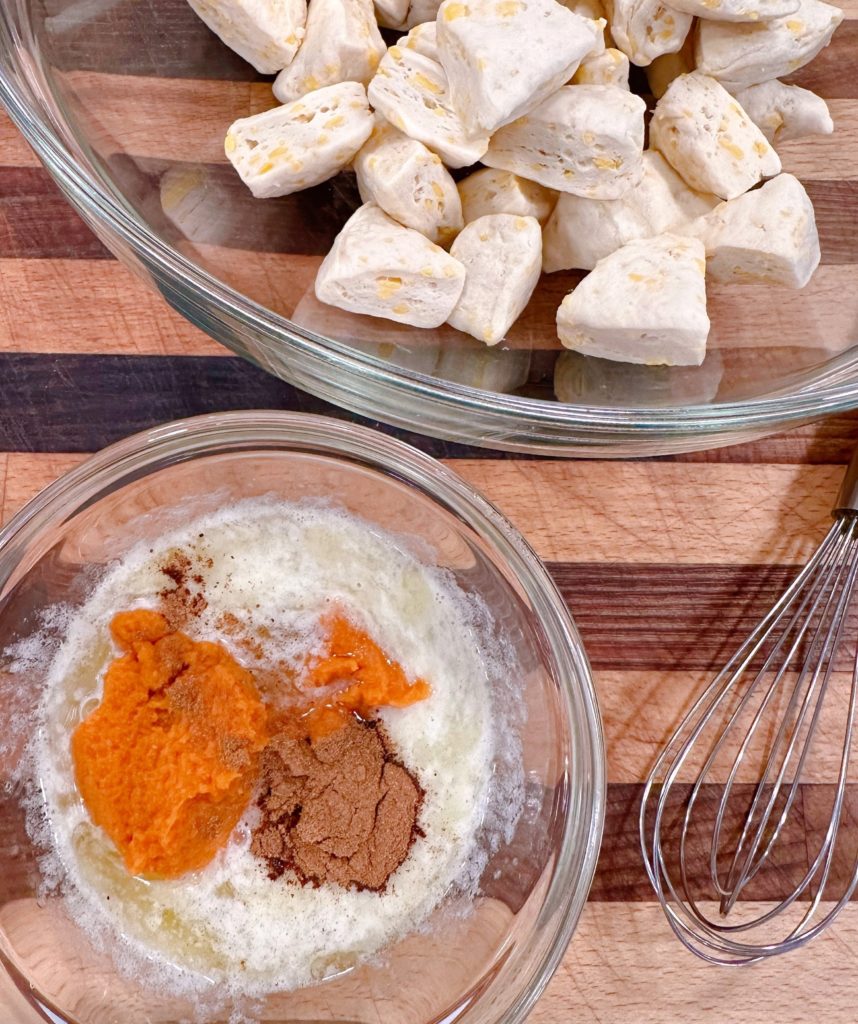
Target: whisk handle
<point>847,496</point>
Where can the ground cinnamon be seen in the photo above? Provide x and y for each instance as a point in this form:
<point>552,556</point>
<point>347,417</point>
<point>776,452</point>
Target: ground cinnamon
<point>337,808</point>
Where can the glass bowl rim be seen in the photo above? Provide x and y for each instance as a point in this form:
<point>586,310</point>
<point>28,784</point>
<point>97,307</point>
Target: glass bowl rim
<point>26,100</point>
<point>159,447</point>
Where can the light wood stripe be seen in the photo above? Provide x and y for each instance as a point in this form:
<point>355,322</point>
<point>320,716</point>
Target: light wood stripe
<point>625,965</point>
<point>39,312</point>
<point>640,711</point>
<point>626,512</point>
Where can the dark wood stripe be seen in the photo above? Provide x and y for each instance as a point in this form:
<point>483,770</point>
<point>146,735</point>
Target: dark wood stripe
<point>669,617</point>
<point>161,38</point>
<point>36,222</point>
<point>59,403</point>
<point>621,877</point>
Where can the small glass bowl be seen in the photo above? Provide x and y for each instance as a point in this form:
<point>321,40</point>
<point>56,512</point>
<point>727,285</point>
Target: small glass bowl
<point>485,967</point>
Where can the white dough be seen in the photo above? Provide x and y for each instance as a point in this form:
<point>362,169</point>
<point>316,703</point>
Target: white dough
<point>504,57</point>
<point>411,91</point>
<point>409,182</point>
<point>645,303</point>
<point>768,235</point>
<point>645,29</point>
<point>422,38</point>
<point>585,139</point>
<point>502,257</point>
<point>490,369</point>
<point>342,44</point>
<point>703,131</point>
<point>266,33</point>
<point>492,191</point>
<point>580,232</point>
<point>737,10</point>
<point>783,112</point>
<point>301,144</point>
<point>379,268</point>
<point>610,67</point>
<point>743,55</point>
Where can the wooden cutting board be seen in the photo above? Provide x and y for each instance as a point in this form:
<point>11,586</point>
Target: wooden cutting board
<point>664,564</point>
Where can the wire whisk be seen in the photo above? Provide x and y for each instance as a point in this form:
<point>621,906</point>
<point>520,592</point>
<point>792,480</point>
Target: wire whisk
<point>726,797</point>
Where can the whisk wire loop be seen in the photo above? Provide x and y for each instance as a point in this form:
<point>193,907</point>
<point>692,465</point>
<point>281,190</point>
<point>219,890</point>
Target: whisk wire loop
<point>770,702</point>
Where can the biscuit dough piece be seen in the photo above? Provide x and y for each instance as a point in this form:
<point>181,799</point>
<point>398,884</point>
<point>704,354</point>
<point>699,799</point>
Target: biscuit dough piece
<point>379,268</point>
<point>743,55</point>
<point>610,67</point>
<point>709,139</point>
<point>422,38</point>
<point>580,232</point>
<point>646,29</point>
<point>410,90</point>
<point>768,235</point>
<point>645,303</point>
<point>341,44</point>
<point>301,144</point>
<point>585,139</point>
<point>502,257</point>
<point>504,57</point>
<point>492,191</point>
<point>266,33</point>
<point>409,182</point>
<point>783,112</point>
<point>737,10</point>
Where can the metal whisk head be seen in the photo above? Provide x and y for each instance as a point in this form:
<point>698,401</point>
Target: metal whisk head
<point>726,798</point>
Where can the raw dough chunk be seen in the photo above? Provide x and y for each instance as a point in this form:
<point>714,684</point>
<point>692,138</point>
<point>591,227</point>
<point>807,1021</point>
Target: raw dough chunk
<point>709,139</point>
<point>342,44</point>
<point>391,13</point>
<point>593,10</point>
<point>743,55</point>
<point>504,57</point>
<point>645,29</point>
<point>585,139</point>
<point>411,91</point>
<point>783,112</point>
<point>610,67</point>
<point>422,38</point>
<point>581,232</point>
<point>645,303</point>
<point>421,12</point>
<point>737,10</point>
<point>302,143</point>
<point>768,235</point>
<point>266,33</point>
<point>491,191</point>
<point>502,257</point>
<point>409,183</point>
<point>379,268</point>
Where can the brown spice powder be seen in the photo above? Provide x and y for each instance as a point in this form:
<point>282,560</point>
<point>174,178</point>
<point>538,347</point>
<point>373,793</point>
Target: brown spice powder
<point>337,809</point>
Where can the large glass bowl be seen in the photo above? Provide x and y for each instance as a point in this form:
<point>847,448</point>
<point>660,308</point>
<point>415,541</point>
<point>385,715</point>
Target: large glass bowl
<point>127,103</point>
<point>487,966</point>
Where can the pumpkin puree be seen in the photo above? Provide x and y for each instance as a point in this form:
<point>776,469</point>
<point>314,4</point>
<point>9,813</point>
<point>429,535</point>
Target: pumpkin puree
<point>167,763</point>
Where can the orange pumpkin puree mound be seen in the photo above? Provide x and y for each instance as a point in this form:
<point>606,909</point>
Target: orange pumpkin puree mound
<point>371,679</point>
<point>166,764</point>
